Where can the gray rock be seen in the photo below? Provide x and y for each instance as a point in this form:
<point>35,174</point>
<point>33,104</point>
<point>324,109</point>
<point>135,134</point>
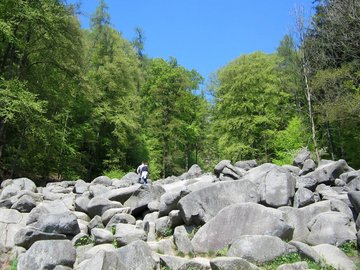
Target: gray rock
<point>28,236</point>
<point>131,253</point>
<point>151,217</point>
<point>168,202</point>
<point>91,251</point>
<point>220,166</point>
<point>14,186</point>
<point>334,257</point>
<point>354,197</point>
<point>349,176</point>
<point>81,186</point>
<point>182,241</point>
<point>121,218</point>
<point>102,260</point>
<point>300,217</point>
<point>294,266</point>
<point>278,189</point>
<point>303,197</point>
<point>45,208</point>
<point>332,228</point>
<point>102,236</point>
<point>127,180</point>
<point>257,175</point>
<point>196,207</point>
<point>255,248</point>
<point>328,173</point>
<point>163,246</point>
<point>24,204</point>
<point>96,222</point>
<point>292,169</point>
<point>108,214</point>
<point>102,180</point>
<point>98,206</point>
<point>306,182</point>
<point>309,166</point>
<point>354,185</point>
<point>194,171</point>
<point>231,263</point>
<point>196,263</point>
<point>122,194</point>
<point>81,203</point>
<point>175,219</point>
<point>11,221</point>
<point>59,223</point>
<point>172,262</point>
<point>46,254</point>
<point>82,216</point>
<point>326,192</point>
<point>306,251</point>
<point>301,157</point>
<point>98,190</point>
<point>145,194</point>
<point>162,226</point>
<point>237,220</point>
<point>246,164</point>
<point>126,233</point>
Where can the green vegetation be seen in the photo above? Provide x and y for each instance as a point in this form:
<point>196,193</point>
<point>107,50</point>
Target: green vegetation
<point>350,249</point>
<point>13,264</point>
<point>79,103</point>
<point>293,258</point>
<point>82,241</point>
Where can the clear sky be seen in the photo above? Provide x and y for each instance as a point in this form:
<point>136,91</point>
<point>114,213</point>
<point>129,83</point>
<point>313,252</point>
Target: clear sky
<point>201,34</point>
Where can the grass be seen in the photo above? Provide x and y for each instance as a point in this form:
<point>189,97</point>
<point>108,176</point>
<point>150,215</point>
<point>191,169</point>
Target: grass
<point>349,248</point>
<point>82,241</point>
<point>293,258</point>
<point>13,264</point>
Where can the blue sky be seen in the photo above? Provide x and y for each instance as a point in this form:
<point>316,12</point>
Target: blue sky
<point>202,34</point>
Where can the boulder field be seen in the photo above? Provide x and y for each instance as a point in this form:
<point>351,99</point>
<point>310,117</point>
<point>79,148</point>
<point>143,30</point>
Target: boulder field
<point>241,216</point>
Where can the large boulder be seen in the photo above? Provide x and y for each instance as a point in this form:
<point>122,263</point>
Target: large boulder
<point>11,221</point>
<point>200,206</point>
<point>47,254</point>
<point>168,202</point>
<point>121,194</point>
<point>329,172</point>
<point>182,241</point>
<point>137,255</point>
<point>278,187</point>
<point>257,175</point>
<point>102,260</point>
<point>332,228</point>
<point>334,257</point>
<point>299,218</point>
<point>142,197</point>
<point>127,233</point>
<point>12,187</point>
<point>255,248</point>
<point>354,197</point>
<point>28,236</point>
<point>98,205</point>
<point>246,164</point>
<point>226,169</point>
<point>303,155</point>
<point>303,197</point>
<point>237,220</point>
<point>231,263</point>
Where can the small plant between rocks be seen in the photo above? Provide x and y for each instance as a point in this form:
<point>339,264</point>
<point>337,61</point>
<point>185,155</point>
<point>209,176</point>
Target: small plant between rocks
<point>83,241</point>
<point>294,258</point>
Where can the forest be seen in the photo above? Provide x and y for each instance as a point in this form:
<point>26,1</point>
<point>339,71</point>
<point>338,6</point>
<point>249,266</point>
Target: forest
<point>79,103</point>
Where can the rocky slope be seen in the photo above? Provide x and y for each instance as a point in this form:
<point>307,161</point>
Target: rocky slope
<point>245,214</point>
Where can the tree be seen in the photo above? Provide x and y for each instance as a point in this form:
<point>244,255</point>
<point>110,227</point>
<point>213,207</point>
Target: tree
<point>169,114</point>
<point>250,107</point>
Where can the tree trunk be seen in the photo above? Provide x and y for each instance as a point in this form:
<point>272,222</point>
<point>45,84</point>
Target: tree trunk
<point>308,95</point>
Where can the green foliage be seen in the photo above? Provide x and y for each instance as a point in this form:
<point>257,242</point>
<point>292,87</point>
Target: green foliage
<point>180,254</point>
<point>287,142</point>
<point>13,264</point>
<point>293,258</point>
<point>115,174</point>
<point>222,252</point>
<point>193,232</point>
<point>82,241</point>
<point>250,107</point>
<point>349,248</point>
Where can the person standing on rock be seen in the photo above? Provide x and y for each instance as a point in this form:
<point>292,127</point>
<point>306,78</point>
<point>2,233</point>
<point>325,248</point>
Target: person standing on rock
<point>144,172</point>
<point>138,170</point>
